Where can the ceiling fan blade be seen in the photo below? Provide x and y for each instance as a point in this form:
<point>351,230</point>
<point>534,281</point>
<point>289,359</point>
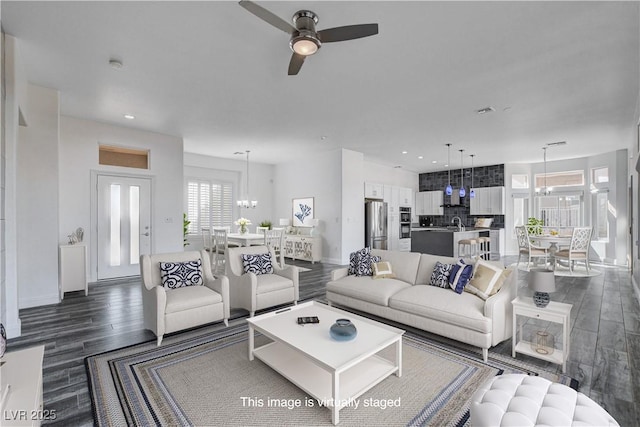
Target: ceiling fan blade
<point>296,63</point>
<point>267,16</point>
<point>348,32</point>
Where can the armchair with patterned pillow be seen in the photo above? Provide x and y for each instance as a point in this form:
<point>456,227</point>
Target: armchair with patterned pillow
<point>180,292</point>
<point>257,281</point>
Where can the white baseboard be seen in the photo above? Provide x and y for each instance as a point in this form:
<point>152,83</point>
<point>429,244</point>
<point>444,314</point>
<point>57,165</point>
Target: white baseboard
<point>39,301</point>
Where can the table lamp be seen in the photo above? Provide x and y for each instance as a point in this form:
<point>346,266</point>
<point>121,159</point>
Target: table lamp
<point>542,282</point>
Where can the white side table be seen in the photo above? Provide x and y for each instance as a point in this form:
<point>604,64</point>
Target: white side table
<point>73,269</point>
<point>556,312</point>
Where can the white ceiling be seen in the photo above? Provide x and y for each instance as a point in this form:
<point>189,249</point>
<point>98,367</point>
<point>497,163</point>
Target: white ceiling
<point>216,75</point>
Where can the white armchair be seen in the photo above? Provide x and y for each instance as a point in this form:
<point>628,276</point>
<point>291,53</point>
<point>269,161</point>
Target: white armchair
<point>169,310</point>
<point>257,291</point>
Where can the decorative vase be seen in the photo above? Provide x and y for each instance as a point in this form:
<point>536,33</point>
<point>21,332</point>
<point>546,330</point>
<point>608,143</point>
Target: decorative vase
<point>243,229</point>
<point>3,340</point>
<point>343,330</point>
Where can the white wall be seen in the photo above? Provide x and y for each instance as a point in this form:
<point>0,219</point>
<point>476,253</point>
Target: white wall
<point>14,110</point>
<point>79,141</point>
<point>353,171</point>
<point>37,200</point>
<point>261,185</point>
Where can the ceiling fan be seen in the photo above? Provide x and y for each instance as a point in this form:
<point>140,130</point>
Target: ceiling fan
<point>305,40</point>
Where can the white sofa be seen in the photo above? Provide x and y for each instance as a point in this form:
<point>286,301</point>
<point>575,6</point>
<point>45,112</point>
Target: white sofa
<point>410,300</point>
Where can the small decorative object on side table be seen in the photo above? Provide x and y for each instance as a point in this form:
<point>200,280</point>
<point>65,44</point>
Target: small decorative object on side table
<point>343,330</point>
<point>542,282</point>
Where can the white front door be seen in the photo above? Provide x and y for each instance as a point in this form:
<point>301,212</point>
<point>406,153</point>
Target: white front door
<point>124,225</point>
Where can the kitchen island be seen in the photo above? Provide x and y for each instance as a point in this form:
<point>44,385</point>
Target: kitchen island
<point>442,240</point>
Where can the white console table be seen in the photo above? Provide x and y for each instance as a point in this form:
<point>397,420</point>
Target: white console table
<point>22,371</point>
<point>307,248</point>
<point>72,269</point>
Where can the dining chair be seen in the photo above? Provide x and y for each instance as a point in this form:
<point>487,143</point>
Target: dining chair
<point>207,241</point>
<point>220,245</point>
<point>578,248</point>
<point>274,239</point>
<point>260,230</point>
<point>525,247</point>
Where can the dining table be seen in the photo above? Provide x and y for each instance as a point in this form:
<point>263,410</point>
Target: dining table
<point>245,239</point>
<point>554,241</point>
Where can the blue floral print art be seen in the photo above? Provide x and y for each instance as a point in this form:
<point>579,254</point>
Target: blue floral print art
<point>305,211</point>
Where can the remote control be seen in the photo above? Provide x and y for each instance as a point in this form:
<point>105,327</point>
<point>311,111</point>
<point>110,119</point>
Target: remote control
<point>308,319</point>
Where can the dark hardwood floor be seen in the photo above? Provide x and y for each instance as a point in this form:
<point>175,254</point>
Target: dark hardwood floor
<point>604,357</point>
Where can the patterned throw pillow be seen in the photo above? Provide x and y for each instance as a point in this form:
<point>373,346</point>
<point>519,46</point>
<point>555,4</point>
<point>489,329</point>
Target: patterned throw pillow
<point>257,263</point>
<point>365,267</point>
<point>355,259</point>
<point>180,274</point>
<point>382,270</point>
<point>460,275</point>
<point>440,275</point>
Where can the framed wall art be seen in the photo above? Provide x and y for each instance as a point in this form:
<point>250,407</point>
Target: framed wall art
<point>303,212</point>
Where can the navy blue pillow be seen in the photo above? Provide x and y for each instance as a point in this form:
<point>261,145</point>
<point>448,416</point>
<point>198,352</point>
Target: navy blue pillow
<point>460,275</point>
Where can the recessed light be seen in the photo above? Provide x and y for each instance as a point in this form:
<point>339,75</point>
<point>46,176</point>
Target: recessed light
<point>486,110</point>
<point>129,116</point>
<point>323,137</point>
<point>420,157</point>
<point>404,152</point>
<point>434,161</point>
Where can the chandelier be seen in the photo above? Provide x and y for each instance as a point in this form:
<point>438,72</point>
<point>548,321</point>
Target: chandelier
<point>546,190</point>
<point>247,203</point>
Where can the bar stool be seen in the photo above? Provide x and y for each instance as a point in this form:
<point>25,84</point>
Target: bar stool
<point>467,247</point>
<point>485,247</point>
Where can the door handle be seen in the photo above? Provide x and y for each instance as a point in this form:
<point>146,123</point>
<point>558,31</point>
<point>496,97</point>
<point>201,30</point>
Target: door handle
<point>145,234</point>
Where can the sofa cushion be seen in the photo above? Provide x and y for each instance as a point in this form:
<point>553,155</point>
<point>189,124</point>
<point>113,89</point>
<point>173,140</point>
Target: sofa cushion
<point>485,277</point>
<point>272,282</point>
<point>365,288</point>
<point>189,297</point>
<point>179,274</point>
<point>440,275</point>
<point>257,263</point>
<point>354,260</point>
<point>460,275</point>
<point>382,270</point>
<point>463,310</point>
<point>405,264</point>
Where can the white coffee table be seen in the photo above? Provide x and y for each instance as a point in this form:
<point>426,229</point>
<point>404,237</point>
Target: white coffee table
<point>330,371</point>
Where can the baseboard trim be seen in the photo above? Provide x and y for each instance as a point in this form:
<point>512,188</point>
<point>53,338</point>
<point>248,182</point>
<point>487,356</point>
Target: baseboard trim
<point>37,302</point>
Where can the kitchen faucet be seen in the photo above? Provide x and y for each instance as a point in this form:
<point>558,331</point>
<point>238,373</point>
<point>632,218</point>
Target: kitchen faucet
<point>460,226</point>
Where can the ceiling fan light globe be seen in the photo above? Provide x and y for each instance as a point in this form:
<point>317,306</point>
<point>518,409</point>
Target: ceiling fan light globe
<point>304,46</point>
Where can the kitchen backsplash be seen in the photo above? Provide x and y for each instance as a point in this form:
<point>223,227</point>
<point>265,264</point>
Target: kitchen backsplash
<point>483,176</point>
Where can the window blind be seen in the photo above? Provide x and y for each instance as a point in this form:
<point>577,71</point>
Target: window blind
<point>209,204</point>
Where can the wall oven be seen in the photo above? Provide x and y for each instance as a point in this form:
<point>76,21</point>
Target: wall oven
<point>405,222</point>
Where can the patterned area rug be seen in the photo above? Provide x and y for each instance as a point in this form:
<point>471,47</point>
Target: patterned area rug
<point>203,377</point>
<point>563,270</point>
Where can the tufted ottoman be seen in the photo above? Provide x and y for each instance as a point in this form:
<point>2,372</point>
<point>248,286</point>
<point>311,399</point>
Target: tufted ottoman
<point>521,400</point>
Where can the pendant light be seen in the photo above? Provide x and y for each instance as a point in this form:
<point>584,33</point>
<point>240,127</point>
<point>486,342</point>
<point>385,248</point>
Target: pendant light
<point>449,190</point>
<point>246,203</point>
<point>462,190</point>
<point>546,190</point>
<point>472,192</point>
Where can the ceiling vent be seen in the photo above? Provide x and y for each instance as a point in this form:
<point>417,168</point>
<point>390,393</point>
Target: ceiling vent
<point>486,110</point>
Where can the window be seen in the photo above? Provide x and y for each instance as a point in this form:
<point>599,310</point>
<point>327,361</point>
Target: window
<point>519,181</point>
<point>124,157</point>
<point>520,211</point>
<point>209,204</point>
<point>599,175</point>
<point>600,216</point>
<point>559,179</point>
<point>560,210</point>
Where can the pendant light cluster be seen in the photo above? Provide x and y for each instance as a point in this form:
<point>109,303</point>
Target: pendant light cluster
<point>449,189</point>
<point>247,203</point>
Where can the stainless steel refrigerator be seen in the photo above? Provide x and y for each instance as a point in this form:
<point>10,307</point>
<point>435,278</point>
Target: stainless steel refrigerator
<point>375,224</point>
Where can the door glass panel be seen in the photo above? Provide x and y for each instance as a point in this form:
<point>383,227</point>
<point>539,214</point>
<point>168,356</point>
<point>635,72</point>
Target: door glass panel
<point>134,221</point>
<point>114,240</point>
<point>601,214</point>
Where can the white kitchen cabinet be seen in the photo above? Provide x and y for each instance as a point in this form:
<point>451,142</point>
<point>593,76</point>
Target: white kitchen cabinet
<point>497,243</point>
<point>373,190</point>
<point>307,248</point>
<point>430,203</point>
<point>404,245</point>
<point>72,269</point>
<point>405,197</point>
<point>488,201</point>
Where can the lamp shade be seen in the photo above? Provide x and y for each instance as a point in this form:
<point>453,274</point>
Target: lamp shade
<point>542,280</point>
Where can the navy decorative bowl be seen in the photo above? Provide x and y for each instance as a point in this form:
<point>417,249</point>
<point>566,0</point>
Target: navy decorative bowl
<point>343,330</point>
